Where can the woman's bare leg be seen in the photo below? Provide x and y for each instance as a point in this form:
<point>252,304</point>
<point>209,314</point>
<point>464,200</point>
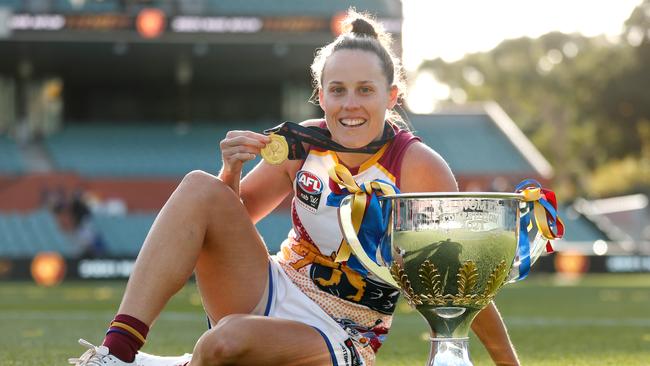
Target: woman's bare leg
<point>202,225</point>
<point>256,340</point>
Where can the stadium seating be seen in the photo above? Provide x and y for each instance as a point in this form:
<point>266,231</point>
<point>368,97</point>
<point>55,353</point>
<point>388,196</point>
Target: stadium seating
<point>63,6</point>
<point>124,235</point>
<point>471,144</point>
<point>206,7</point>
<point>145,150</point>
<point>15,5</point>
<point>88,6</point>
<point>11,161</point>
<point>24,235</point>
<point>293,7</point>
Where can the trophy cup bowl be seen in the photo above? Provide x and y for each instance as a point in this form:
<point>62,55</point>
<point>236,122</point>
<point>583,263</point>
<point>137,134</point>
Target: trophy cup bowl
<point>450,253</point>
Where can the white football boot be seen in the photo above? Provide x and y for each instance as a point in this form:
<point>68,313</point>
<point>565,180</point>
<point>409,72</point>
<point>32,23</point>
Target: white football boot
<point>100,356</point>
<point>145,359</point>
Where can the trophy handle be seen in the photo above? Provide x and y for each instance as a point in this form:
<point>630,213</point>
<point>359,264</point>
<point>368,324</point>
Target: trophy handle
<point>350,235</point>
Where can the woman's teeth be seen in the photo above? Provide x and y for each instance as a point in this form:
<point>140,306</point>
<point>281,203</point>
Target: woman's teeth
<point>352,121</point>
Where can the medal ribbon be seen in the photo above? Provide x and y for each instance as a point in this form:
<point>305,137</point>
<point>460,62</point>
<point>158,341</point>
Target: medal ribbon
<point>369,218</point>
<point>542,208</point>
<point>295,134</point>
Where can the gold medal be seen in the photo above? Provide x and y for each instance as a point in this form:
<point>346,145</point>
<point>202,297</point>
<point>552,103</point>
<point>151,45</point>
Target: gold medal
<point>276,151</point>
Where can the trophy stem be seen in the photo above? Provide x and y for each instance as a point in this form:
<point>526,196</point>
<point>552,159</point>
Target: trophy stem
<point>449,352</point>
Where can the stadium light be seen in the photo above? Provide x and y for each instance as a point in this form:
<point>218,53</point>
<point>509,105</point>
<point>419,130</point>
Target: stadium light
<point>48,268</point>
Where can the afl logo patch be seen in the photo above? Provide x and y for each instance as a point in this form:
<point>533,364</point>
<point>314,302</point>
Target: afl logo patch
<point>309,182</point>
<point>308,189</point>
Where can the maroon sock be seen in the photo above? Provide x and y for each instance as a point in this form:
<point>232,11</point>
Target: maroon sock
<point>125,337</point>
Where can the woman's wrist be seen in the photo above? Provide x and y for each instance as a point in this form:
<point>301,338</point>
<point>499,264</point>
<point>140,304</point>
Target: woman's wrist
<point>230,178</point>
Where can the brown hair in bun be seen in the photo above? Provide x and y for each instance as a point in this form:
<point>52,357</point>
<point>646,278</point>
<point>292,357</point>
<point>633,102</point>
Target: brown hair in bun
<point>361,32</point>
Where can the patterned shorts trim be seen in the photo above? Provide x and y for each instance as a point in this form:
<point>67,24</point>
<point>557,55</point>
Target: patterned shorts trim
<point>287,301</point>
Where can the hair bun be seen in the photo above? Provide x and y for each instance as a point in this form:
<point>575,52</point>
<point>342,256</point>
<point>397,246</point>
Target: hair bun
<point>363,28</point>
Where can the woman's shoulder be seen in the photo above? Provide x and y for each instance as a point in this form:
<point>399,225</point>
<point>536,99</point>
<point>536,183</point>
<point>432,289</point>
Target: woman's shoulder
<point>420,158</point>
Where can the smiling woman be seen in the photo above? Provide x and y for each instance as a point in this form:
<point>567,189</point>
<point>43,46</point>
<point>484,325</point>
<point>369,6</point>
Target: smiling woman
<point>313,303</point>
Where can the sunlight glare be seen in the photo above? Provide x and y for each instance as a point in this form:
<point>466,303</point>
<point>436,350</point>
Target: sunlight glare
<point>451,29</point>
<point>425,91</point>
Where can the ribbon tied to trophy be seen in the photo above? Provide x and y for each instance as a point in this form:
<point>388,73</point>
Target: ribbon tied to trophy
<point>542,209</point>
<point>369,218</point>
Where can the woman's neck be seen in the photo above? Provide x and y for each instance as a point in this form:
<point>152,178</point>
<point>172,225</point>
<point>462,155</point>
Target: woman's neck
<point>353,160</point>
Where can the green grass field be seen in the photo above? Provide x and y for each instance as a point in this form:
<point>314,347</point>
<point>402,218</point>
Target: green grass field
<point>599,320</point>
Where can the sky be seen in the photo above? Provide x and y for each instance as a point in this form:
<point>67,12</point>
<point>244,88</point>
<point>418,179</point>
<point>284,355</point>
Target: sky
<point>449,29</point>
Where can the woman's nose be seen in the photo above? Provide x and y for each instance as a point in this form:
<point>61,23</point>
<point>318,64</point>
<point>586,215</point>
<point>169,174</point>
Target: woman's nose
<point>351,102</point>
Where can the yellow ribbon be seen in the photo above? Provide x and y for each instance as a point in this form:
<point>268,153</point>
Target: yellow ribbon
<point>534,195</point>
<point>342,176</point>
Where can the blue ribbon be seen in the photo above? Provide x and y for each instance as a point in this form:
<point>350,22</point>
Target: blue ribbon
<point>525,222</point>
<point>373,226</point>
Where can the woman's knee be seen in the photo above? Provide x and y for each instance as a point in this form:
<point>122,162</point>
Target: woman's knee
<point>226,343</point>
<point>203,185</point>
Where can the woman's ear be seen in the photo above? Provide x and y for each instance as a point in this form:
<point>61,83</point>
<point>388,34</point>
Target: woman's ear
<point>320,98</point>
<point>394,94</point>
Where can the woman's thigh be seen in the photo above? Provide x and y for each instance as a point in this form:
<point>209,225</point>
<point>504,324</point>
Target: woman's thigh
<point>258,340</point>
<point>232,268</point>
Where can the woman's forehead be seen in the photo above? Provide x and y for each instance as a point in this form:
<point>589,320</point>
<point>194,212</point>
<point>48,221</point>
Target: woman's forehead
<point>353,66</point>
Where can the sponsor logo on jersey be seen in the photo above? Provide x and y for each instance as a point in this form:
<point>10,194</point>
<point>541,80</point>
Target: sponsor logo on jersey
<point>309,182</point>
<point>309,188</point>
<point>353,359</point>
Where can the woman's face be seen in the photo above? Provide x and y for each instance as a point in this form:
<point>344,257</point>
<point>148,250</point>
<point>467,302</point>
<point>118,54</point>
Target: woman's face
<point>355,96</point>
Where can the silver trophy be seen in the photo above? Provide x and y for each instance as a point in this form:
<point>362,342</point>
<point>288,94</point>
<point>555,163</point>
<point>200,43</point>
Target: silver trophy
<point>449,255</point>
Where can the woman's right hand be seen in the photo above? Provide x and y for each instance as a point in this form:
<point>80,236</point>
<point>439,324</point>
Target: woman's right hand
<point>239,147</point>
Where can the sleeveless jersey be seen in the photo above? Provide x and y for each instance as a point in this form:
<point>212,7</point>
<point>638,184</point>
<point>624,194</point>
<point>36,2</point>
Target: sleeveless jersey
<point>307,257</point>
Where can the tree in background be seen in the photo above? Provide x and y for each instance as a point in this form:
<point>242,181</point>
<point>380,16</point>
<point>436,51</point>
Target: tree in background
<point>584,102</point>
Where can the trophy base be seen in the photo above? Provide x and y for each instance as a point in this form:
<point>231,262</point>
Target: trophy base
<point>449,352</point>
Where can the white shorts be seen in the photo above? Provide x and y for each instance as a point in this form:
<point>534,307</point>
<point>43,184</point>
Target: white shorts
<point>286,301</point>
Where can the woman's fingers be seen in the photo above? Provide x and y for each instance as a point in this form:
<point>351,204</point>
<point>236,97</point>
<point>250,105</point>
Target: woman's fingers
<point>246,138</point>
<point>241,146</point>
<point>243,156</point>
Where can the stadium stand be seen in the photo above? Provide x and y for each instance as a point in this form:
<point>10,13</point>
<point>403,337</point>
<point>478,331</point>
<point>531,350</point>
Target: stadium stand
<point>292,7</point>
<point>583,230</point>
<point>24,235</point>
<point>11,161</point>
<point>85,7</point>
<point>204,7</point>
<point>124,234</point>
<point>145,150</point>
<point>490,152</point>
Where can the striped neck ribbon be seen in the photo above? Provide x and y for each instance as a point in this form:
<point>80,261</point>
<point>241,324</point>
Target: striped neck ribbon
<point>542,209</point>
<point>296,134</point>
<point>369,218</point>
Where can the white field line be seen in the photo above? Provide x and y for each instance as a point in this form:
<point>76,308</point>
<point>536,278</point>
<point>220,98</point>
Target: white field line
<point>200,318</point>
<point>91,315</point>
<point>576,322</point>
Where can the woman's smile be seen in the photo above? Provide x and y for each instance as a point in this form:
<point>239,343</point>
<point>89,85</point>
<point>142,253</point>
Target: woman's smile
<point>352,122</point>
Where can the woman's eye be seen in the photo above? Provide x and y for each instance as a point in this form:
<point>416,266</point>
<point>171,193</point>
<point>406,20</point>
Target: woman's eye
<point>337,90</point>
<point>365,90</point>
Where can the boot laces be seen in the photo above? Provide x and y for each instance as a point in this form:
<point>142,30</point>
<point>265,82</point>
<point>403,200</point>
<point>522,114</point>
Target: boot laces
<point>92,357</point>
